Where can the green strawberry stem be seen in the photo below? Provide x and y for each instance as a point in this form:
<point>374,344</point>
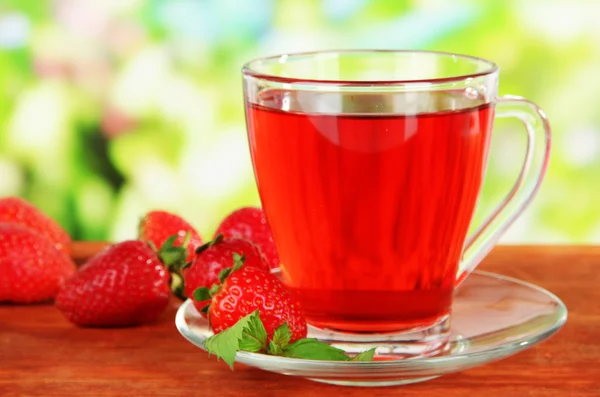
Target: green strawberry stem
<point>214,289</point>
<point>174,258</point>
<point>177,286</point>
<point>238,263</point>
<point>204,294</point>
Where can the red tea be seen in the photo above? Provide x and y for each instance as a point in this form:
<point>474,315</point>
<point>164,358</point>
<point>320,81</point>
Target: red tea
<point>369,211</point>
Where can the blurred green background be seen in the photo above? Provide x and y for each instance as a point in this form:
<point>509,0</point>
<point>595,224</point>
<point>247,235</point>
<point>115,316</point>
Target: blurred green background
<point>109,108</point>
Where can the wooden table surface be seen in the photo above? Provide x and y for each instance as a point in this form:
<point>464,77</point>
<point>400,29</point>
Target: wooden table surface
<point>41,354</point>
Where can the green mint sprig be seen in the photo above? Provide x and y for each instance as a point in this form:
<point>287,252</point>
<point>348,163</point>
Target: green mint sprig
<point>249,334</point>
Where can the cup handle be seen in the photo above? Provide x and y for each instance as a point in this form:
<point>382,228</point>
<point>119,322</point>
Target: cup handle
<point>481,242</point>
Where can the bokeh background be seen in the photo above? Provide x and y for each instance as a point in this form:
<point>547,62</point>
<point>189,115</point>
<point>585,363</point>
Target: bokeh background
<point>109,108</point>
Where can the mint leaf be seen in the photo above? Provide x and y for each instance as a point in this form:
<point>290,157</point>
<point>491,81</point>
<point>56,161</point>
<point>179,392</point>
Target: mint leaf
<point>252,344</point>
<point>281,338</point>
<point>367,355</point>
<point>274,349</point>
<point>282,335</point>
<point>254,337</point>
<point>227,342</point>
<point>313,349</point>
<point>249,334</point>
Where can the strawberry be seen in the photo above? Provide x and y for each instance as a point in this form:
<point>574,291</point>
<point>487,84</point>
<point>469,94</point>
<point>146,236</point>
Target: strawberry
<point>251,223</point>
<point>17,210</point>
<point>157,226</point>
<point>245,289</point>
<point>213,257</point>
<point>32,269</point>
<point>125,284</point>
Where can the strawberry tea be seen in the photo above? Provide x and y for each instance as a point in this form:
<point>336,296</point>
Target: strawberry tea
<point>369,165</point>
<point>369,210</point>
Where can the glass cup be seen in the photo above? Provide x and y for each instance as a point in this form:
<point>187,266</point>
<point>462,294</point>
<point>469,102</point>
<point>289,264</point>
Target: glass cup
<point>369,165</point>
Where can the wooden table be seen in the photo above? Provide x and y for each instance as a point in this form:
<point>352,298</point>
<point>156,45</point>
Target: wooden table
<point>43,355</point>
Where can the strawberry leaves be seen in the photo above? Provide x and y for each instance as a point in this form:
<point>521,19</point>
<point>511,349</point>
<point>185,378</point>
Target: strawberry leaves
<point>202,294</point>
<point>249,335</point>
<point>174,257</point>
<point>217,240</point>
<point>171,255</point>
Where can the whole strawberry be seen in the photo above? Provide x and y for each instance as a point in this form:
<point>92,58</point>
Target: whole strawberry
<point>245,289</point>
<point>251,223</point>
<point>32,269</point>
<point>18,210</point>
<point>215,256</point>
<point>125,284</point>
<point>157,226</point>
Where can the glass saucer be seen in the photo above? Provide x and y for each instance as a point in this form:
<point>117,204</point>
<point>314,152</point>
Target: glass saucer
<point>493,317</point>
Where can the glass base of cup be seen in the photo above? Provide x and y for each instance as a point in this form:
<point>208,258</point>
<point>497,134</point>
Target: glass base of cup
<point>419,342</point>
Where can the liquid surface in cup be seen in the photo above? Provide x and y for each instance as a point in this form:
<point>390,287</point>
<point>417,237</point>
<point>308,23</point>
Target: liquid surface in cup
<point>369,209</point>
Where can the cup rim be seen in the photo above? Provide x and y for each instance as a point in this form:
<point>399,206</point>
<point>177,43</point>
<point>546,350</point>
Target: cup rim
<point>248,70</point>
